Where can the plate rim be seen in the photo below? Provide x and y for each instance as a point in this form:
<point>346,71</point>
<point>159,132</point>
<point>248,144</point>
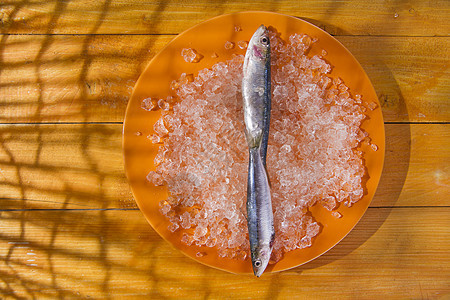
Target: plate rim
<point>178,36</point>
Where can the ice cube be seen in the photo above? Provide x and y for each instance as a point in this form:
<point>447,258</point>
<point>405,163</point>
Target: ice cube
<point>190,55</point>
<point>229,45</point>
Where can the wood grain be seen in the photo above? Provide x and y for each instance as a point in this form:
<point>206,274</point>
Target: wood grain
<point>90,78</point>
<point>412,18</point>
<point>416,166</point>
<point>101,254</point>
<point>63,166</point>
<point>80,166</point>
<point>69,227</point>
<point>410,75</point>
<point>71,78</point>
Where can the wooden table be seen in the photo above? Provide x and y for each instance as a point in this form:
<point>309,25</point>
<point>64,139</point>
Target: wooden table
<point>69,227</point>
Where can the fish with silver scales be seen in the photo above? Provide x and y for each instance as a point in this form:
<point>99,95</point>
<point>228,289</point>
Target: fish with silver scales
<point>256,96</point>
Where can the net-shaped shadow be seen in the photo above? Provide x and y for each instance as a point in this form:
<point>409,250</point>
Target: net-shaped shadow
<point>67,218</point>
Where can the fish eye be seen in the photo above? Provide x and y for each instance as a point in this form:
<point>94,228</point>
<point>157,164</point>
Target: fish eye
<point>264,40</point>
<point>258,263</point>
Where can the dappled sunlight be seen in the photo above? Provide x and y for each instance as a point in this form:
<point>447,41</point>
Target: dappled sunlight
<point>74,250</point>
<point>69,226</point>
<point>66,205</point>
<point>69,82</point>
<point>55,77</point>
<point>45,164</point>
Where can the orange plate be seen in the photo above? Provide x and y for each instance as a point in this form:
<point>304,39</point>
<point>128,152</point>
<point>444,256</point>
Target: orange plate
<point>208,38</point>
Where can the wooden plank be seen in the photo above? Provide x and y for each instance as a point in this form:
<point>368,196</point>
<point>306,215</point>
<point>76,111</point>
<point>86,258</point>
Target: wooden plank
<point>102,254</point>
<point>411,75</point>
<point>416,166</point>
<point>63,166</point>
<point>412,18</point>
<point>90,78</point>
<point>71,78</point>
<point>81,166</point>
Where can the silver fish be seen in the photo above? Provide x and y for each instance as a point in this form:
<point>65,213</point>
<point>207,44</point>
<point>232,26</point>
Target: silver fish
<point>257,104</point>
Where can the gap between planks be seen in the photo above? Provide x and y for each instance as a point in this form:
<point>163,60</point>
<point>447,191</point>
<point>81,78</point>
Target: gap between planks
<point>121,123</point>
<point>62,123</point>
<point>175,34</point>
<point>72,209</point>
<point>137,209</point>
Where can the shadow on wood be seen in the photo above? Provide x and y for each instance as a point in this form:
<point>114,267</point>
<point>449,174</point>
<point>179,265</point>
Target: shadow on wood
<point>48,214</point>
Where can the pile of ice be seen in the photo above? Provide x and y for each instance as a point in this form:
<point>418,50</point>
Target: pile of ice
<point>312,155</point>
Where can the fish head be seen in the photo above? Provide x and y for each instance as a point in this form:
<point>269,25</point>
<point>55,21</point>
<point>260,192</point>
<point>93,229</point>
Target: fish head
<point>260,259</point>
<point>259,45</point>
